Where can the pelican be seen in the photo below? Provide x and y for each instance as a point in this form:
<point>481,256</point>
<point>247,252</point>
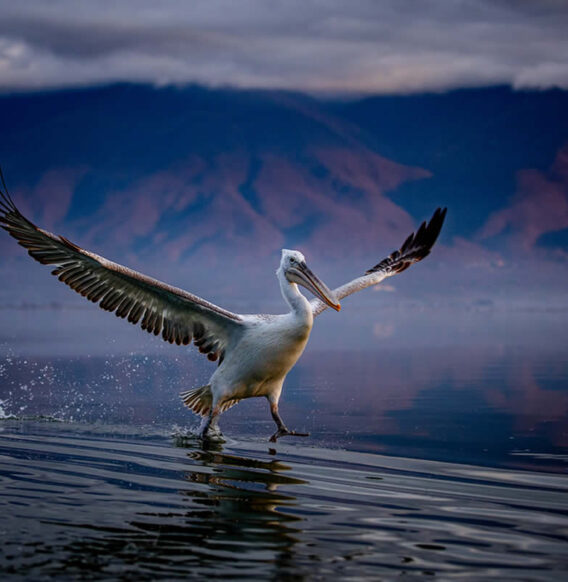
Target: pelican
<point>255,352</point>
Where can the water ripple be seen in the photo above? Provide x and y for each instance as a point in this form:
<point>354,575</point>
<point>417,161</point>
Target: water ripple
<point>83,504</point>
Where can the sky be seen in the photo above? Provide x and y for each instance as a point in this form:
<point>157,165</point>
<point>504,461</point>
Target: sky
<point>317,46</point>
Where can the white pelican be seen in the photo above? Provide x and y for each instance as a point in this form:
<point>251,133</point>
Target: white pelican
<point>255,352</point>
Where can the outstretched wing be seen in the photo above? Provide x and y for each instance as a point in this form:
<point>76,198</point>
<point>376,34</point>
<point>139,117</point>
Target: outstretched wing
<point>415,248</point>
<point>178,315</point>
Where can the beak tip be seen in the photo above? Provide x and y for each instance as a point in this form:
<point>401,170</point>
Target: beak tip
<point>337,307</point>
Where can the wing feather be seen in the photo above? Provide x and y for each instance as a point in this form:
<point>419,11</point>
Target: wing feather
<point>162,309</point>
<point>416,247</point>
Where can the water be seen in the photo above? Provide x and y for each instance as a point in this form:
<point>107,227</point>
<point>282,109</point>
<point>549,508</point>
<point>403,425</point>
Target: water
<point>444,461</point>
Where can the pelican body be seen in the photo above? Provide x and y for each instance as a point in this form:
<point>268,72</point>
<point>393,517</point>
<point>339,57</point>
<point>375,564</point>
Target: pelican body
<point>255,352</point>
<point>266,348</point>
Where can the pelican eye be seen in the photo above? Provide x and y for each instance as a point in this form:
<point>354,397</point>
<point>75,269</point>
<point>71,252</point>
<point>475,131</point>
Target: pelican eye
<point>292,260</point>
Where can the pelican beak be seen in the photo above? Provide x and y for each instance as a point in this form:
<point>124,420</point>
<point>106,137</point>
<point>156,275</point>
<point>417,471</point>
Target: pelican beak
<point>304,276</point>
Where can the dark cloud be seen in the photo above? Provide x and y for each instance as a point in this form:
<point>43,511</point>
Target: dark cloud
<point>358,46</point>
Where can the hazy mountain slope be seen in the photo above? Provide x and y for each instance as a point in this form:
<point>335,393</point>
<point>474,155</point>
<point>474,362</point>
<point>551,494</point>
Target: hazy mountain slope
<point>161,178</point>
<point>204,187</point>
<point>474,142</point>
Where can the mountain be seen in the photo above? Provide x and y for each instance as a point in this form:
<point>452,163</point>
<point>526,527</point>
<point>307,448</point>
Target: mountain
<point>201,177</point>
<point>203,187</point>
<point>474,142</point>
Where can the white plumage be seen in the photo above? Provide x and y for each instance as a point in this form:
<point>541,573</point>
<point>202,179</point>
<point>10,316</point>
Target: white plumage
<point>255,352</point>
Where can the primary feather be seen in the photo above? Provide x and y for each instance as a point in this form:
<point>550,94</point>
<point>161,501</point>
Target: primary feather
<point>178,316</point>
<point>417,246</point>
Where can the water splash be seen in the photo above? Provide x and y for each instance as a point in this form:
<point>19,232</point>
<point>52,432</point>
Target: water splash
<point>3,414</point>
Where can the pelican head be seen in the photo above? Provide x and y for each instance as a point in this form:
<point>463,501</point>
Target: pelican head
<point>293,265</point>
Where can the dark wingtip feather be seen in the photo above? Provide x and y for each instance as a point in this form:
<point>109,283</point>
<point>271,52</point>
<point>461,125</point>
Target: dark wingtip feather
<point>6,203</point>
<point>416,247</point>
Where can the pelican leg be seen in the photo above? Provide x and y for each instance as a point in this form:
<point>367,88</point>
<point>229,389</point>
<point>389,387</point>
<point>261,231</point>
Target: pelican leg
<point>210,427</point>
<point>282,430</point>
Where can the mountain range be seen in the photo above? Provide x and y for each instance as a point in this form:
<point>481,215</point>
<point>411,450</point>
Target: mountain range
<point>203,187</point>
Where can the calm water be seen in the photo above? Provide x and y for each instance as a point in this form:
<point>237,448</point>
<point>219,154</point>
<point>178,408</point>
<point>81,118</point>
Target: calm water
<point>447,462</point>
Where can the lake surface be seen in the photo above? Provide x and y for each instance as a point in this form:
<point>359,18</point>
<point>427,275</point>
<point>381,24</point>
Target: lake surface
<point>445,461</point>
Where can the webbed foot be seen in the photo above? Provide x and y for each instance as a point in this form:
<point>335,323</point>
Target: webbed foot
<point>285,432</point>
<point>210,431</point>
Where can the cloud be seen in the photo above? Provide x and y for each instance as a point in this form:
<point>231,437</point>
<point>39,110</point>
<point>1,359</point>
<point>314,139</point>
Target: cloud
<point>362,46</point>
